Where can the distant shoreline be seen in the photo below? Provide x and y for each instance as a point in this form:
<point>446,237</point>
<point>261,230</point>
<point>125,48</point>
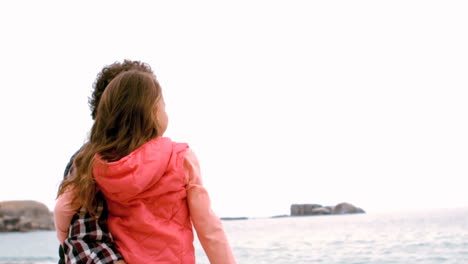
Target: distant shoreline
<point>312,210</point>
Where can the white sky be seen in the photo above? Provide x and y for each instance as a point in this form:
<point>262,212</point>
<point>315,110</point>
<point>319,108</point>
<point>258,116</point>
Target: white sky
<point>283,101</point>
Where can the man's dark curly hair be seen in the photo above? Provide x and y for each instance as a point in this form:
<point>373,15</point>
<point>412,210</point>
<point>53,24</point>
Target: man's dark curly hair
<point>107,74</point>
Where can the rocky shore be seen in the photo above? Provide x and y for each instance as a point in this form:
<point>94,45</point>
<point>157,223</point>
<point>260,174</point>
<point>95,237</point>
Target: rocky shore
<point>23,216</point>
<point>312,209</point>
<point>317,209</point>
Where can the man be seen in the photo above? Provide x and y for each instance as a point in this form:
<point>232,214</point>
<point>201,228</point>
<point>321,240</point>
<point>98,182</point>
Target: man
<point>89,239</point>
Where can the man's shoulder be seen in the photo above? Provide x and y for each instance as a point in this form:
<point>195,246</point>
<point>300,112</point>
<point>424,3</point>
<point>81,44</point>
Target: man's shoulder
<point>70,163</point>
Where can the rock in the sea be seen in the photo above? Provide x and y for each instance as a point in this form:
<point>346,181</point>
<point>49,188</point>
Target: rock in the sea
<point>316,209</point>
<point>303,209</point>
<point>25,216</point>
<point>346,208</point>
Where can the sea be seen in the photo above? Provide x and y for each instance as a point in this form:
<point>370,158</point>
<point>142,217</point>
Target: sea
<point>426,236</point>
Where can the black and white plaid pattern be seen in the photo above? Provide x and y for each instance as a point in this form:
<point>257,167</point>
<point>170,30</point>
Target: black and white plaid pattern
<point>89,240</point>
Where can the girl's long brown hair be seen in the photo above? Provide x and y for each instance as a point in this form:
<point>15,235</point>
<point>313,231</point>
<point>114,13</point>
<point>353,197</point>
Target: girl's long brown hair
<point>125,120</point>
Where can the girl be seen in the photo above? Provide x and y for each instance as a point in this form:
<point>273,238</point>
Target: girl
<point>152,185</point>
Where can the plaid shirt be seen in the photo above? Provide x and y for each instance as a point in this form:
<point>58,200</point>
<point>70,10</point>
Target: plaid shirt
<point>89,240</point>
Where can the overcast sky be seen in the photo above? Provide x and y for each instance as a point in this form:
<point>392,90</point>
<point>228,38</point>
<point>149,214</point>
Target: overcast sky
<point>282,101</point>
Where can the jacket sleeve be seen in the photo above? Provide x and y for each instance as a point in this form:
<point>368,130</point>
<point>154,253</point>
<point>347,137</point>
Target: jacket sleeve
<point>208,226</point>
<point>63,214</point>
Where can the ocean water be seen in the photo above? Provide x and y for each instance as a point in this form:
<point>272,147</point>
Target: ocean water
<point>434,236</point>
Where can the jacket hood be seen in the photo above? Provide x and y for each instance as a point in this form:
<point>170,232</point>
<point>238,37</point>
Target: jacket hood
<point>131,176</point>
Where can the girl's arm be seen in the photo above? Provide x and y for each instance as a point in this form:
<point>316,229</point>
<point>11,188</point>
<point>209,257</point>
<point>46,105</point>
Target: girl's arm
<point>208,226</point>
<point>63,214</point>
